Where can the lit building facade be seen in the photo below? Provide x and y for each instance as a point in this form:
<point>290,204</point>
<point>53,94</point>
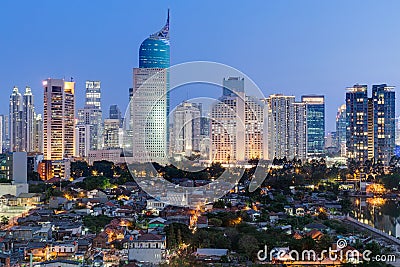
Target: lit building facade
<point>384,127</point>
<point>58,119</point>
<point>111,133</point>
<point>16,125</point>
<point>38,134</point>
<point>236,125</point>
<point>91,114</point>
<point>280,126</point>
<point>28,121</point>
<point>150,99</point>
<point>357,123</point>
<point>300,133</point>
<point>341,128</point>
<point>315,125</point>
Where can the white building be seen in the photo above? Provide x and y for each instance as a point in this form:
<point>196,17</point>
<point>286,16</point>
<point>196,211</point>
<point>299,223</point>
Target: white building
<point>82,140</point>
<point>91,114</point>
<point>146,248</point>
<point>237,123</point>
<point>185,138</point>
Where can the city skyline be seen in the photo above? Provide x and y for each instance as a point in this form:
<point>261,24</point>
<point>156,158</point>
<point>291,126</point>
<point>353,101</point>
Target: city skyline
<point>309,64</point>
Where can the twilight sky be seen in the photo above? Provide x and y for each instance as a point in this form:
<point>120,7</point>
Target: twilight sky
<point>290,47</point>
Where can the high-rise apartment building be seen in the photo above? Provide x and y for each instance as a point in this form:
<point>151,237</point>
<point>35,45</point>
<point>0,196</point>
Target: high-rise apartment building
<point>384,128</point>
<point>58,119</point>
<point>186,129</point>
<point>22,117</point>
<point>38,134</point>
<point>6,132</point>
<point>357,123</point>
<point>16,125</point>
<point>280,126</point>
<point>300,133</point>
<point>82,140</point>
<point>315,125</point>
<point>370,123</point>
<point>28,120</point>
<point>150,99</point>
<point>236,125</point>
<point>91,114</point>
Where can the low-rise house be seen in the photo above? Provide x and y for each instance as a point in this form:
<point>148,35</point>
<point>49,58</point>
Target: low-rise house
<point>202,222</point>
<point>157,223</point>
<point>64,249</point>
<point>28,199</point>
<point>40,251</point>
<point>146,248</point>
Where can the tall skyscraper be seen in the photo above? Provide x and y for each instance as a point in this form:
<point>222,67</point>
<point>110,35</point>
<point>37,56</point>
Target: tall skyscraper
<point>315,125</point>
<point>91,114</point>
<point>82,140</point>
<point>6,133</point>
<point>357,123</point>
<point>150,99</point>
<point>16,130</point>
<point>115,114</point>
<point>38,134</point>
<point>341,128</point>
<point>280,126</point>
<point>59,121</point>
<point>300,133</point>
<point>28,120</point>
<point>186,129</point>
<point>236,125</point>
<point>384,128</point>
<point>111,133</point>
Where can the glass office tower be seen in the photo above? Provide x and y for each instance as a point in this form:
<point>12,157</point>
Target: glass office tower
<point>315,125</point>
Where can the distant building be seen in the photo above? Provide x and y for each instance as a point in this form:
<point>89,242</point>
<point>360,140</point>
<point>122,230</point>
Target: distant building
<point>341,128</point>
<point>38,134</point>
<point>59,119</point>
<point>236,125</point>
<point>16,124</point>
<point>115,114</point>
<point>82,140</point>
<point>91,114</point>
<point>315,125</point>
<point>300,132</point>
<point>186,129</point>
<point>113,155</point>
<point>111,133</point>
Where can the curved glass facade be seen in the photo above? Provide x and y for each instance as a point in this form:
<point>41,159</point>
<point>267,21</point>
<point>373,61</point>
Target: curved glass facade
<point>154,53</point>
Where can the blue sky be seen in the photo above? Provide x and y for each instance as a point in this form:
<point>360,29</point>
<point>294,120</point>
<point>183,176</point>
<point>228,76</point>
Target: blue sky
<point>290,47</point>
